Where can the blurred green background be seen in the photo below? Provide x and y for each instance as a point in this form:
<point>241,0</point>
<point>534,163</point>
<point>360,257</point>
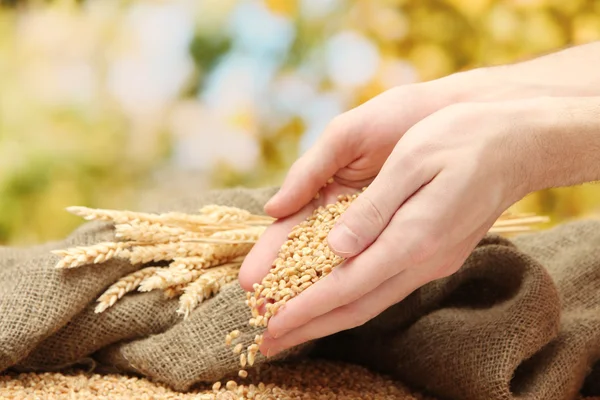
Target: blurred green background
<point>103,101</point>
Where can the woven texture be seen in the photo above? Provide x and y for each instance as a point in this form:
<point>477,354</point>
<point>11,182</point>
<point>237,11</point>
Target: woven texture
<point>49,321</point>
<point>520,320</point>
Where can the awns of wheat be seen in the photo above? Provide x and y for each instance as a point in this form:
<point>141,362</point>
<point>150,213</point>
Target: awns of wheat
<point>199,253</point>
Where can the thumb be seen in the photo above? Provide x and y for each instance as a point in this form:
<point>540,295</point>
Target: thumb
<point>366,218</point>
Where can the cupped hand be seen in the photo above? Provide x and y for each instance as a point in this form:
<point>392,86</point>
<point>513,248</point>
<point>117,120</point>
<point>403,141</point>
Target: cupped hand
<point>352,150</point>
<point>441,188</point>
<point>439,175</point>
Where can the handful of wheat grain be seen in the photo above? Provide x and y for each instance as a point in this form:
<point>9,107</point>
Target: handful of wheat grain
<point>305,258</point>
<point>204,251</point>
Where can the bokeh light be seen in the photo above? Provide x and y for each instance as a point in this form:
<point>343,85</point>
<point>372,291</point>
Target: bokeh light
<point>104,101</point>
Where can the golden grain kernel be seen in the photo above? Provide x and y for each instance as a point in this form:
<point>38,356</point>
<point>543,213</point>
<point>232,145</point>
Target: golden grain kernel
<point>238,348</point>
<point>243,360</point>
<point>251,357</point>
<point>231,385</point>
<point>216,386</point>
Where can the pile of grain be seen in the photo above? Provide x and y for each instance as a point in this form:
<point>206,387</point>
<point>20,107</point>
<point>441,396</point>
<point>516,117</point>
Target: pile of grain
<point>304,380</point>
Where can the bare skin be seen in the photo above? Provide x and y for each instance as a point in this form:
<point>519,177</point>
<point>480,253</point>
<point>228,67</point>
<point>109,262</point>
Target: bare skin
<point>443,159</point>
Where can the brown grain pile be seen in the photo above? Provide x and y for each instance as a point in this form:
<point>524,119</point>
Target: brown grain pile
<point>304,380</point>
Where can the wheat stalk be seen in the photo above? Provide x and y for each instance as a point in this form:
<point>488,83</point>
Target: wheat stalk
<point>123,286</point>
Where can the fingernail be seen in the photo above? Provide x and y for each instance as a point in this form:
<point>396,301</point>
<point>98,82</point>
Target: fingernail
<point>272,200</point>
<point>272,352</point>
<point>342,240</point>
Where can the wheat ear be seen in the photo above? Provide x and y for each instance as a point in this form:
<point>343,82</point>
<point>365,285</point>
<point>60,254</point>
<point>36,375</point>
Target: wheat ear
<point>206,286</point>
<point>123,286</point>
<point>150,232</point>
<point>182,271</point>
<point>83,255</point>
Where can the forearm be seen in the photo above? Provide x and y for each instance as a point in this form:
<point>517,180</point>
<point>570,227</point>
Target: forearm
<point>576,67</point>
<point>563,141</point>
<point>568,73</point>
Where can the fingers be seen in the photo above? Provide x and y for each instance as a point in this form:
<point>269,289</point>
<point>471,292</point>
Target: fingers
<point>374,303</point>
<point>415,234</point>
<point>259,260</point>
<point>348,316</point>
<point>366,218</point>
<point>334,150</point>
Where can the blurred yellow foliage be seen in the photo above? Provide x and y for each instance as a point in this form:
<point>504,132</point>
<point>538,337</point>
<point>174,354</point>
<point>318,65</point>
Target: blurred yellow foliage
<point>73,129</point>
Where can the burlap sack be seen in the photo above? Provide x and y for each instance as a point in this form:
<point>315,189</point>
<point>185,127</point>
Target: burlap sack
<point>48,320</point>
<point>517,321</point>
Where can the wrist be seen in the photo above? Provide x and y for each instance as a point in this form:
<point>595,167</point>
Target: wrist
<point>557,141</point>
<point>460,87</point>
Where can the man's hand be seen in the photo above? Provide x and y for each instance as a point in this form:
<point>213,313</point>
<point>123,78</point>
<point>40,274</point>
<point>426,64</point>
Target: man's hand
<point>442,160</point>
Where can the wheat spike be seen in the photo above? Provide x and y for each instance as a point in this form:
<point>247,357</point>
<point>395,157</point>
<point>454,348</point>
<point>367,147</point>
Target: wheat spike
<point>190,221</point>
<point>152,232</point>
<point>170,251</point>
<point>182,271</point>
<point>166,251</point>
<point>83,255</point>
<point>123,286</point>
<point>206,286</point>
<point>246,235</point>
<point>225,214</point>
<point>169,277</point>
<point>174,291</point>
<point>118,217</point>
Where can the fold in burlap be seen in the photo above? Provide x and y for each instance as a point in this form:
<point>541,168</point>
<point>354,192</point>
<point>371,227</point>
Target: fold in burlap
<point>520,320</point>
<point>49,321</point>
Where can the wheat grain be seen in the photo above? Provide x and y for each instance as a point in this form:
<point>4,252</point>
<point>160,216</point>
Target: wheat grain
<point>174,291</point>
<point>302,260</point>
<point>123,286</point>
<point>300,380</point>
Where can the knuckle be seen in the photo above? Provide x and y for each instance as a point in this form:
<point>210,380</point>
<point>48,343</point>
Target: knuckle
<point>425,245</point>
<point>369,212</point>
<point>337,125</point>
<point>339,284</point>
